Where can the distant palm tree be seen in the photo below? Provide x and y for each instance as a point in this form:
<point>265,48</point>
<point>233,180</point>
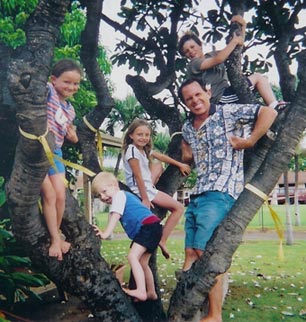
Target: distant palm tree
<point>161,142</point>
<point>124,113</point>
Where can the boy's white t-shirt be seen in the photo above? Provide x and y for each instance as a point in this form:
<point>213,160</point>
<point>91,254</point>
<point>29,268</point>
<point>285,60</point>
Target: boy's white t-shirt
<point>118,203</point>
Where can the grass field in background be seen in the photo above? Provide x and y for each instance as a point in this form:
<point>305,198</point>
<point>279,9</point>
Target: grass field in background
<point>262,287</point>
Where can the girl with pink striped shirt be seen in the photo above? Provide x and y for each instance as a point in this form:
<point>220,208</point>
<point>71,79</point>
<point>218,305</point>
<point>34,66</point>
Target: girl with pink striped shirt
<point>64,83</point>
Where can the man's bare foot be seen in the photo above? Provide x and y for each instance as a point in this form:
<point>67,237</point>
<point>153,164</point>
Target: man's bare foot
<point>65,246</point>
<point>164,250</point>
<point>55,250</point>
<point>138,295</point>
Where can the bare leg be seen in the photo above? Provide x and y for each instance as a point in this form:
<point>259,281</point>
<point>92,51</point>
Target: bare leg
<point>151,292</point>
<point>215,298</point>
<point>58,183</point>
<point>191,255</point>
<point>156,171</point>
<point>49,210</point>
<point>165,201</point>
<point>136,252</point>
<point>263,87</point>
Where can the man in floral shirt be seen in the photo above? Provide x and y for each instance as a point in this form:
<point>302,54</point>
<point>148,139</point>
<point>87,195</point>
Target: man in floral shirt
<point>217,136</point>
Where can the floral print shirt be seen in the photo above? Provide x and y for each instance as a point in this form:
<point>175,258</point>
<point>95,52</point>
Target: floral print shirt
<point>219,167</point>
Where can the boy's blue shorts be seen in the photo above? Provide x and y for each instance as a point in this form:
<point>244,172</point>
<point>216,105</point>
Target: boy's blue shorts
<point>204,213</point>
<point>59,165</point>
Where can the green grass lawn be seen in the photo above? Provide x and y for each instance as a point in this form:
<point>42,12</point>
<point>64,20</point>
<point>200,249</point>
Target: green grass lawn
<point>262,287</point>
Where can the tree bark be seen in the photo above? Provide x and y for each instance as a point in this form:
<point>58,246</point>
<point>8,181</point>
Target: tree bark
<point>83,271</point>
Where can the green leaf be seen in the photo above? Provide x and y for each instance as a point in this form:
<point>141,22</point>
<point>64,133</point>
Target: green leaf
<point>30,293</point>
<point>5,234</point>
<point>44,279</point>
<point>7,288</point>
<point>4,319</point>
<point>2,198</point>
<point>16,261</point>
<point>26,279</point>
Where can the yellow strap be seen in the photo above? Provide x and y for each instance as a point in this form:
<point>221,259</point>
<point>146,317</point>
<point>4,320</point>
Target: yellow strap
<point>277,222</point>
<point>257,192</point>
<point>40,206</point>
<point>99,141</point>
<point>76,166</point>
<point>89,125</point>
<point>279,229</point>
<point>100,149</point>
<point>42,139</point>
<point>174,134</point>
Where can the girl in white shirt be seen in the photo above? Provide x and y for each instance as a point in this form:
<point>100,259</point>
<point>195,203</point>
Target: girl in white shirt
<point>142,174</point>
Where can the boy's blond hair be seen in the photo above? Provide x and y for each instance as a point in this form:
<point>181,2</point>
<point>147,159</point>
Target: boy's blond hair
<point>105,178</point>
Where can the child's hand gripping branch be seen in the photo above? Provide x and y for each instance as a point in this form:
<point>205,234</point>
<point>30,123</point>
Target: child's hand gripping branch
<point>71,134</point>
<point>183,167</point>
<point>113,220</point>
<point>240,20</point>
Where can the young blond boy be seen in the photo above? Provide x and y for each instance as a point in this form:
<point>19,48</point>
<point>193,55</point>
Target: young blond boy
<point>143,227</point>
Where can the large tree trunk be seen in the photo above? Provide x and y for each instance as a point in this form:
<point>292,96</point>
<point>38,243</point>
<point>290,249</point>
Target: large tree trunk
<point>83,271</point>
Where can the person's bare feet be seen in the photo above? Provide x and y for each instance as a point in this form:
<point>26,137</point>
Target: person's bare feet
<point>65,246</point>
<point>55,250</point>
<point>136,294</point>
<point>164,250</point>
